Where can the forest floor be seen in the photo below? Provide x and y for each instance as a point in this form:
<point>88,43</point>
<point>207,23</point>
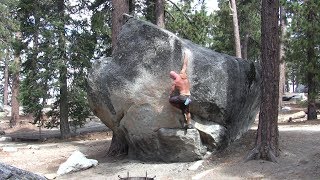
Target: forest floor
<point>299,154</point>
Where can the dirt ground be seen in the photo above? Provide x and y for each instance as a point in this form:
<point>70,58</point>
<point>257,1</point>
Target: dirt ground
<point>299,157</point>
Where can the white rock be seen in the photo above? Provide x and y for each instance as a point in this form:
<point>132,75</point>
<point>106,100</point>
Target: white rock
<point>286,108</point>
<point>9,149</point>
<point>5,139</point>
<point>196,165</point>
<point>76,162</point>
<point>50,176</point>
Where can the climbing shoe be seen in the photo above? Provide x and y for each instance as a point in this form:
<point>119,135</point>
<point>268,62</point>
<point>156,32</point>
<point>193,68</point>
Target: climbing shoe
<point>189,126</point>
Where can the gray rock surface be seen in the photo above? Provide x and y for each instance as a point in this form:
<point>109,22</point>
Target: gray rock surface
<point>129,93</point>
<point>10,172</point>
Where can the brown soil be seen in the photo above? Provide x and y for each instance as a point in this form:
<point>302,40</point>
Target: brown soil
<point>299,157</point>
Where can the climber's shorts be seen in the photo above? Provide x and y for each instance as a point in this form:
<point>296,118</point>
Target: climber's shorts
<point>182,102</point>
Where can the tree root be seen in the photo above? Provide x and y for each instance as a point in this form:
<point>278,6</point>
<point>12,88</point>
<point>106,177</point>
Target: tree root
<point>256,154</point>
<point>118,146</point>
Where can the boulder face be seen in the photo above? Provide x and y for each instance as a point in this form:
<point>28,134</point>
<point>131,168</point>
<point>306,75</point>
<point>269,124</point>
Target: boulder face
<point>129,93</point>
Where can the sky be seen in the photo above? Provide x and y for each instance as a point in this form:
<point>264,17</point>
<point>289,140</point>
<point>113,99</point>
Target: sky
<point>212,5</point>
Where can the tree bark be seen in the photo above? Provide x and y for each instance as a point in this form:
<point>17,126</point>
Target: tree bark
<point>267,143</point>
<point>16,83</point>
<point>282,67</point>
<point>119,145</point>
<point>132,6</point>
<point>6,79</point>
<point>312,62</point>
<point>119,8</point>
<point>63,71</point>
<point>236,29</point>
<point>293,83</point>
<point>160,13</point>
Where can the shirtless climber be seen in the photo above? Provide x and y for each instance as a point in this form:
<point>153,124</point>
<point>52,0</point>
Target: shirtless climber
<point>182,84</point>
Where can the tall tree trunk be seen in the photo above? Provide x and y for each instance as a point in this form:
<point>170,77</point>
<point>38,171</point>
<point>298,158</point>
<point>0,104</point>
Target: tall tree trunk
<point>119,8</point>
<point>132,7</point>
<point>160,13</point>
<point>282,67</point>
<point>16,83</point>
<point>6,79</point>
<point>312,62</point>
<point>293,82</point>
<point>267,142</point>
<point>63,71</point>
<point>236,28</point>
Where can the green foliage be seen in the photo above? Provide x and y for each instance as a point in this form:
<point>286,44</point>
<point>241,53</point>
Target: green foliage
<point>149,11</point>
<point>303,39</point>
<point>52,43</point>
<point>215,30</point>
<point>8,26</point>
<point>249,23</point>
<point>78,106</point>
<point>195,25</point>
<point>223,33</point>
<point>101,27</point>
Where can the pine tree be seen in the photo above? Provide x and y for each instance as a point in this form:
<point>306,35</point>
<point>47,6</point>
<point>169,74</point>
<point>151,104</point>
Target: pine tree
<point>267,142</point>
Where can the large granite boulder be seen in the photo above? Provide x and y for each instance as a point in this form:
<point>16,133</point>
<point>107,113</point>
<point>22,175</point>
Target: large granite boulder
<point>11,172</point>
<point>129,93</point>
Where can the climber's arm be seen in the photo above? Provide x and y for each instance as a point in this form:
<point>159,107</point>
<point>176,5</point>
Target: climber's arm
<point>185,63</point>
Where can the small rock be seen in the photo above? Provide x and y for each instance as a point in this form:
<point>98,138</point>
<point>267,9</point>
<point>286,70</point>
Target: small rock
<point>33,147</point>
<point>76,162</point>
<point>50,176</point>
<point>286,108</point>
<point>196,165</point>
<point>207,155</point>
<point>5,139</point>
<point>2,133</point>
<point>9,149</point>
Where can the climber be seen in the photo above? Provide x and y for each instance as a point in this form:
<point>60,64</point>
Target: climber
<point>182,100</point>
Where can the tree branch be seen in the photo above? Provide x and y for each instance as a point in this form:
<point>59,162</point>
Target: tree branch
<point>186,16</point>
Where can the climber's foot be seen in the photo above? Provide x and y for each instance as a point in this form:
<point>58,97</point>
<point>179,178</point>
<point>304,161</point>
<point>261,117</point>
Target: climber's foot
<point>189,126</point>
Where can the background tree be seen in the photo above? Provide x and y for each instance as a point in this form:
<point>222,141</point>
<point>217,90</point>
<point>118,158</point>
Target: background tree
<point>190,23</point>
<point>119,7</point>
<point>8,26</point>
<point>267,142</point>
<point>312,17</point>
<point>101,27</point>
<point>223,32</point>
<point>302,49</point>
<point>15,68</point>
<point>249,17</point>
<point>159,13</point>
<point>149,12</point>
<point>16,46</point>
<point>31,92</point>
<point>235,28</point>
<point>282,75</point>
<point>59,43</point>
<point>6,77</point>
